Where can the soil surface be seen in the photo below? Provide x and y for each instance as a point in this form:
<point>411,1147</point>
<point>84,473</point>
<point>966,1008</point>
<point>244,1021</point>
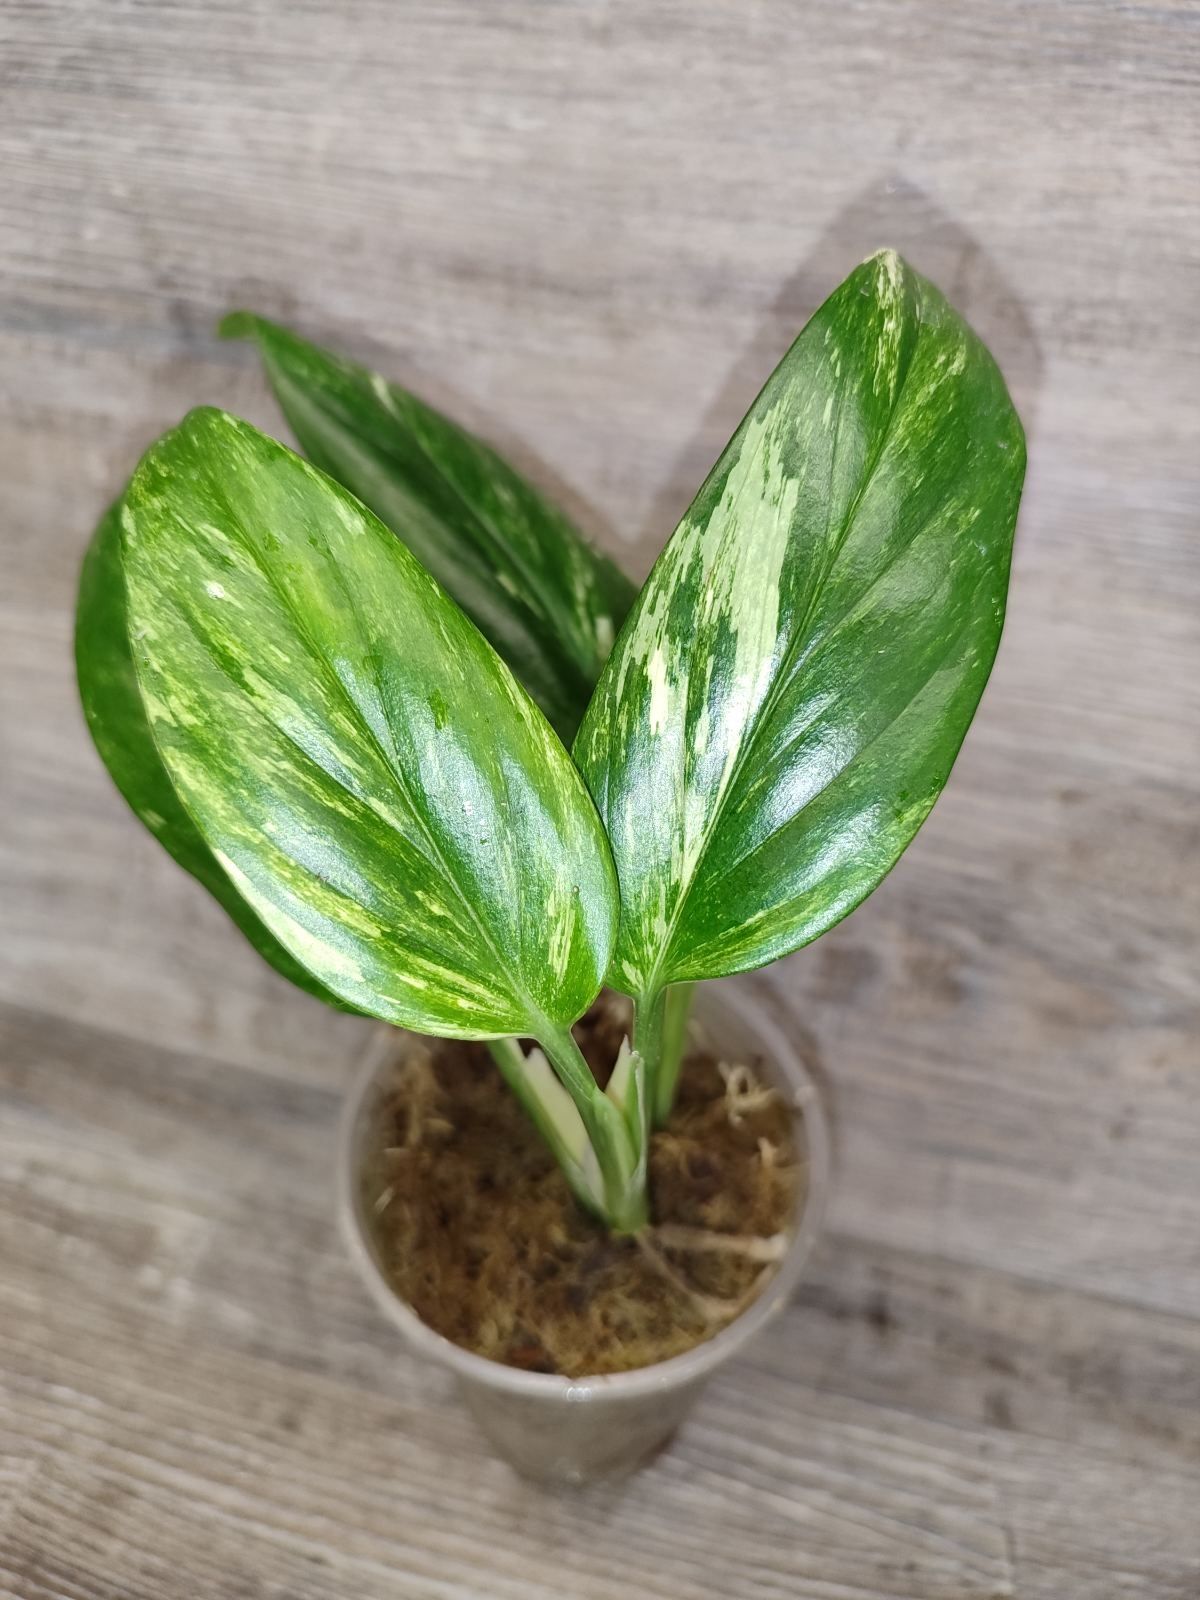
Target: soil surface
<point>476,1228</point>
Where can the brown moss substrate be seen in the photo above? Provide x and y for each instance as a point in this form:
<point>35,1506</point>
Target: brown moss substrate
<point>475,1226</point>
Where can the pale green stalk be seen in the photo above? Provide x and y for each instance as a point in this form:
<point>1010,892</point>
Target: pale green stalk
<point>649,1016</point>
<point>622,1172</point>
<point>674,1039</point>
<point>659,1035</point>
<point>559,1125</point>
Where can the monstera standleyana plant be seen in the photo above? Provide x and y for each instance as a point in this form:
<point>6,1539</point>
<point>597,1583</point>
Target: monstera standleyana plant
<point>443,767</point>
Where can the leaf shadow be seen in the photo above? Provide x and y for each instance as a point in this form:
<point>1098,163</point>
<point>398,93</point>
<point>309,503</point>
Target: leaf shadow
<point>432,388</point>
<point>894,213</point>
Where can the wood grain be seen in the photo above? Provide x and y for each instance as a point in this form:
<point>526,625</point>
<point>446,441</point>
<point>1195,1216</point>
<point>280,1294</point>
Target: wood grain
<point>590,231</point>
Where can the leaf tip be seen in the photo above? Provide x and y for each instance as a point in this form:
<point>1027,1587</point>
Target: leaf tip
<point>200,426</point>
<point>199,423</point>
<point>890,264</point>
<point>239,325</point>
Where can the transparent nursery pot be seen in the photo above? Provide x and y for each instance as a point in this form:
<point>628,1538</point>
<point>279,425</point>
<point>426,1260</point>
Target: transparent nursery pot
<point>572,1430</point>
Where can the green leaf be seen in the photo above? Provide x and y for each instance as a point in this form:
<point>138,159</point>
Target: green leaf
<point>371,776</point>
<point>786,701</point>
<point>549,603</point>
<point>112,704</point>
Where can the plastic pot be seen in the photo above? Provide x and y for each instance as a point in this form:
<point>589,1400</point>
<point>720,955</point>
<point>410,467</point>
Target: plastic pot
<point>573,1430</point>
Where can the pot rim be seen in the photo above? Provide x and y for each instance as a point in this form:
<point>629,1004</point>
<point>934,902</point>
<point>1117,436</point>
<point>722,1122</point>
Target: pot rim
<point>782,1060</point>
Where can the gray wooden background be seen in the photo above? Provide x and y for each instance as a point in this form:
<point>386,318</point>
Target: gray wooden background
<point>589,229</point>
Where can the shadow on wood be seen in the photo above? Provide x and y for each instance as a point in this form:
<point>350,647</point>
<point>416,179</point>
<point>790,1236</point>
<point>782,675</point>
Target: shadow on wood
<point>891,213</point>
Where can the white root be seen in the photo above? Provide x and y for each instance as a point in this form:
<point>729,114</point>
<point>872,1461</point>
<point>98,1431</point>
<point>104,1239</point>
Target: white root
<point>716,1313</point>
<point>713,1311</point>
<point>743,1092</point>
<point>752,1247</point>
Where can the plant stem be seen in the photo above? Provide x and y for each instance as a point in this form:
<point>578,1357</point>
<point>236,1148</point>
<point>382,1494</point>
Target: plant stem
<point>674,1040</point>
<point>659,1035</point>
<point>623,1174</point>
<point>514,1069</point>
<point>649,1016</point>
<point>510,1058</point>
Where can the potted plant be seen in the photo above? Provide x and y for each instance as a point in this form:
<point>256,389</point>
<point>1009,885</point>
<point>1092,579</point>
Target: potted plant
<point>581,1220</point>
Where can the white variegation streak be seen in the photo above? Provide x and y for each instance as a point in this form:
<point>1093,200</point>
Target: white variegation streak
<point>368,772</point>
<point>787,697</point>
<point>544,598</point>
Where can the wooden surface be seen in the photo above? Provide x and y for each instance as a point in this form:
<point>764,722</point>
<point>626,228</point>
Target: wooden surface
<point>590,230</point>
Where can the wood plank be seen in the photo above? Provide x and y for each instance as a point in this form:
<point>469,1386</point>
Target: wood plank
<point>909,1429</point>
<point>590,234</point>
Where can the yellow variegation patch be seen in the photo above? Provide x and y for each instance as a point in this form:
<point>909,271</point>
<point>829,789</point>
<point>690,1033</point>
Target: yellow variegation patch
<point>116,719</point>
<point>788,696</point>
<point>376,785</point>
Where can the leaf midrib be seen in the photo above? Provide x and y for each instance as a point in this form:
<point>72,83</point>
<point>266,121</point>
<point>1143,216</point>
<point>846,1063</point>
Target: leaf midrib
<point>783,677</point>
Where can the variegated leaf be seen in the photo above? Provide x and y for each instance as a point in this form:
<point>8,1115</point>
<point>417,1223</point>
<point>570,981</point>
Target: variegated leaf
<point>548,602</point>
<point>786,701</point>
<point>370,775</point>
<point>112,704</point>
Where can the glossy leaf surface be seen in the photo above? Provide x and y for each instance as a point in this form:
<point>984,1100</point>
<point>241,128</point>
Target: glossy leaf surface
<point>549,603</point>
<point>371,776</point>
<point>786,701</point>
<point>112,704</point>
